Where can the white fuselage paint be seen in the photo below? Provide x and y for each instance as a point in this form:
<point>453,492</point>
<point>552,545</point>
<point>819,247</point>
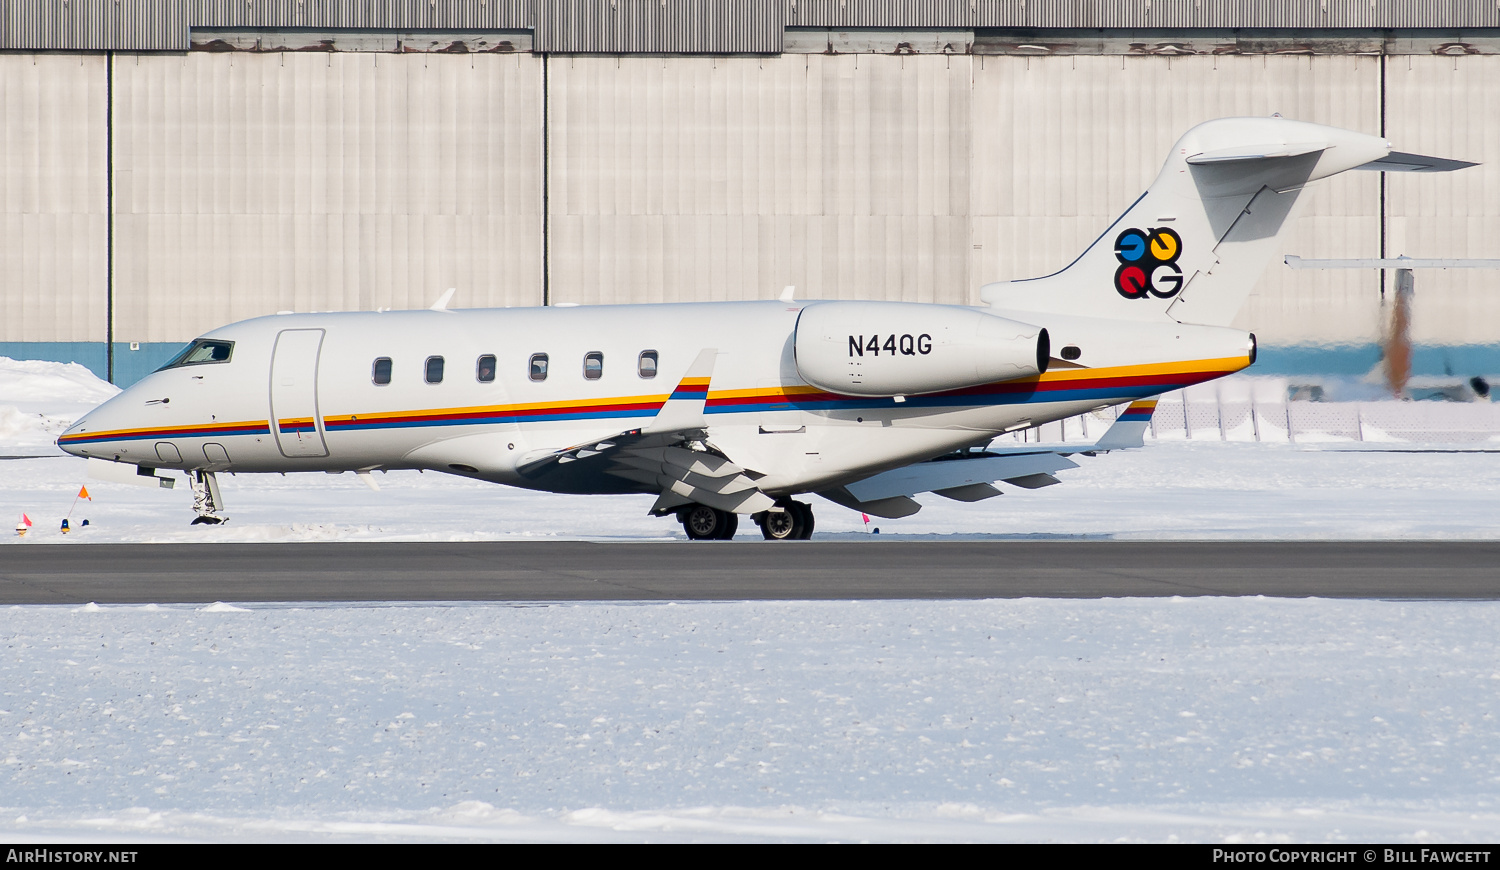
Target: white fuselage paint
<point>298,394</point>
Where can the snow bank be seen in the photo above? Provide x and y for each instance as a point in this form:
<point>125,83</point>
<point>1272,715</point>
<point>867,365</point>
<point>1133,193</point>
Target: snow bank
<point>38,400</point>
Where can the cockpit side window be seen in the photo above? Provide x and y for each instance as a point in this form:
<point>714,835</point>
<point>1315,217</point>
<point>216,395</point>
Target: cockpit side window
<point>204,351</point>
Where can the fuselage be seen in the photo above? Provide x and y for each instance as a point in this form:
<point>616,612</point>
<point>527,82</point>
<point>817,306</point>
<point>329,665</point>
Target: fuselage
<point>477,392</point>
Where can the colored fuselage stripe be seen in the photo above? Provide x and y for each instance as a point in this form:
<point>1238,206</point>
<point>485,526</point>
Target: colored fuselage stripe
<point>691,388</point>
<point>261,427</point>
<point>1078,385</point>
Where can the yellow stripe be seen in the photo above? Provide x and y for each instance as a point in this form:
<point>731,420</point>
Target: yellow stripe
<point>211,427</point>
<point>1228,364</point>
<point>765,392</point>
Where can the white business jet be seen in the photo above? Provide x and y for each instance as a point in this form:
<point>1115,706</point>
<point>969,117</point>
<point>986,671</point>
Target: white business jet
<point>729,409</point>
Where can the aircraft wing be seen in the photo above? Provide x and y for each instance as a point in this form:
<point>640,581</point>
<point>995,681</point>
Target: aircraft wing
<point>972,476</point>
<point>679,416</point>
<point>657,454</point>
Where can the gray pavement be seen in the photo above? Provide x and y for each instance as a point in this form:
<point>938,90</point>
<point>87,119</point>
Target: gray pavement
<point>581,571</point>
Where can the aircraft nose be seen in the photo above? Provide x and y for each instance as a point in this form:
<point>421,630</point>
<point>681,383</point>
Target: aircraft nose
<point>69,440</point>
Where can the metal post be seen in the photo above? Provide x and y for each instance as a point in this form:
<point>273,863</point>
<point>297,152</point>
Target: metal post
<point>109,216</point>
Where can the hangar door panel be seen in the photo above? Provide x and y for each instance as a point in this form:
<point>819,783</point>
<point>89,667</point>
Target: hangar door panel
<point>294,393</point>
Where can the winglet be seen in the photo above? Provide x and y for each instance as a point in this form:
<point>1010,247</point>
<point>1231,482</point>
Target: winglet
<point>684,408</point>
<point>442,303</point>
<point>1129,430</point>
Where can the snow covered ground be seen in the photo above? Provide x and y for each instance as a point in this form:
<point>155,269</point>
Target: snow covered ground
<point>1241,720</point>
<point>1247,720</point>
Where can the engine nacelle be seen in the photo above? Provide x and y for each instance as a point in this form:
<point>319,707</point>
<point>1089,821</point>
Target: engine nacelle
<point>906,348</point>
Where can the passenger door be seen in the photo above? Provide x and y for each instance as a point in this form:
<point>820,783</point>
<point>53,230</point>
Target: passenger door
<point>295,418</point>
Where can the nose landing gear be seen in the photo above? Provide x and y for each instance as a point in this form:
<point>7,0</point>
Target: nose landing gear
<point>207,501</point>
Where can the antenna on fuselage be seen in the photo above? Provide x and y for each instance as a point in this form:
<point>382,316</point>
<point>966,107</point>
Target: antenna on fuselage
<point>442,303</point>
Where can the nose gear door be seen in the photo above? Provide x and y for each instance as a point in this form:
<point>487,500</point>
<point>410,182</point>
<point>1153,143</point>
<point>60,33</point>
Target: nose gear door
<point>295,417</point>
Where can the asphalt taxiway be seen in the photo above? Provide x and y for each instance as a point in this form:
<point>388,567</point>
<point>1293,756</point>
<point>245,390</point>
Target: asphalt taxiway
<point>750,570</point>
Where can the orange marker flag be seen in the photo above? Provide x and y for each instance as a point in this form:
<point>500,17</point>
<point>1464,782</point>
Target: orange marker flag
<point>83,492</point>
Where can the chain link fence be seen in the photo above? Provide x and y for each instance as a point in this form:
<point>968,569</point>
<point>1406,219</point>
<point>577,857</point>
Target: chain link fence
<point>1261,411</point>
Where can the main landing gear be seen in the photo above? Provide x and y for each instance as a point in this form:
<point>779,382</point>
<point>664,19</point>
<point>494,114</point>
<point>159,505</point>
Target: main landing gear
<point>207,501</point>
<point>703,523</point>
<point>794,522</point>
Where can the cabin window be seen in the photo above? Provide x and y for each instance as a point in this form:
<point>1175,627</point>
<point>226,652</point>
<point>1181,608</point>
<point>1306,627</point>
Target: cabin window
<point>538,367</point>
<point>380,373</point>
<point>434,370</point>
<point>646,365</point>
<point>593,365</point>
<point>202,352</point>
<point>484,369</point>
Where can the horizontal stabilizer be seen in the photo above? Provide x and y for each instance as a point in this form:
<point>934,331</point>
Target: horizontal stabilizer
<point>1400,161</point>
<point>946,474</point>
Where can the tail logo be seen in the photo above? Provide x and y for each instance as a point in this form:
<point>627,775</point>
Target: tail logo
<point>1148,263</point>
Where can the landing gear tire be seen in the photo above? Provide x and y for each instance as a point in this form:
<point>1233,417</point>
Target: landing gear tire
<point>807,520</point>
<point>703,523</point>
<point>795,523</point>
<point>778,525</point>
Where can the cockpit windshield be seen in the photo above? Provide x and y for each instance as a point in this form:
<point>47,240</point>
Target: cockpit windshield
<point>204,351</point>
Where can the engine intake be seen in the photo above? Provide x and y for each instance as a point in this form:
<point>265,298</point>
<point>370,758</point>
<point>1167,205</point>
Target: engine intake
<point>904,348</point>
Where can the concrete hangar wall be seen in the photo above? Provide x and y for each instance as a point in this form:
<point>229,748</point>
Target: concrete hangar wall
<point>163,175</point>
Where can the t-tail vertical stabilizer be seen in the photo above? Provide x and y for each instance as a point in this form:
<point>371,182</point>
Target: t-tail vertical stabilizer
<point>1193,245</point>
